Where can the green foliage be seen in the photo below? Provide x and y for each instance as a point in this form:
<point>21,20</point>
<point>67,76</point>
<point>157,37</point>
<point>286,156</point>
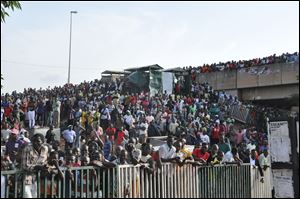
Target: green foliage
<point>6,5</point>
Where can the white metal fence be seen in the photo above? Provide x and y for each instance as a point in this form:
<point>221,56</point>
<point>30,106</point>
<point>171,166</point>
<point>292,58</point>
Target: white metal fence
<point>188,181</point>
<point>171,181</point>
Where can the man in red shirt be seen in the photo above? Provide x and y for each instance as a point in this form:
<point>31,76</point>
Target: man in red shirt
<point>133,99</point>
<point>189,100</point>
<point>215,135</point>
<point>121,135</point>
<point>111,131</point>
<point>201,154</point>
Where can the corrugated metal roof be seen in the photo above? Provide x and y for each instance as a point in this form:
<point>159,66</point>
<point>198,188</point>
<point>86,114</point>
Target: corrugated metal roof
<point>112,72</point>
<point>145,68</point>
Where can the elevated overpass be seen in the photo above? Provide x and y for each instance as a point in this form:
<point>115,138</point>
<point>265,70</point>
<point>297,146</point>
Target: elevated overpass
<point>269,82</point>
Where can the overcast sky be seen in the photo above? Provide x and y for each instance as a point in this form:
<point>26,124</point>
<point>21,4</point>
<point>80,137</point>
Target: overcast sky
<point>119,35</point>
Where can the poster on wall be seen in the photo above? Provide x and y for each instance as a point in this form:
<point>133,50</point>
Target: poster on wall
<point>280,143</point>
<point>167,81</point>
<point>279,129</point>
<point>283,183</point>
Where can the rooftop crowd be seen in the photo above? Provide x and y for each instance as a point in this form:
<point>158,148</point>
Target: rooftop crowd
<point>104,126</point>
<point>231,65</point>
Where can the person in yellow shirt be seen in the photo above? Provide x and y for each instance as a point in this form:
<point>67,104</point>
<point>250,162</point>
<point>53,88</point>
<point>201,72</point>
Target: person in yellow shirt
<point>219,159</point>
<point>186,153</point>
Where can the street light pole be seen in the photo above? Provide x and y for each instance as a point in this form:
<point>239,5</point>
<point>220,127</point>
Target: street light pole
<point>72,12</point>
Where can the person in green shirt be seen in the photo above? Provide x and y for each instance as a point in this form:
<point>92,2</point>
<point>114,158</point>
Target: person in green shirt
<point>224,147</point>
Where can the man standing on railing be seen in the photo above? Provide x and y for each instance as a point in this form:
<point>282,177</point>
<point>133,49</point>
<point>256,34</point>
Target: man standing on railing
<point>34,158</point>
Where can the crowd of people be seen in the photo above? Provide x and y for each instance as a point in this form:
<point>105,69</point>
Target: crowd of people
<point>103,126</point>
<point>231,65</point>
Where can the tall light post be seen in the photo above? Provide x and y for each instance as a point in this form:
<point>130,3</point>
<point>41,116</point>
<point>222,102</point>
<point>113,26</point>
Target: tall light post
<point>72,12</point>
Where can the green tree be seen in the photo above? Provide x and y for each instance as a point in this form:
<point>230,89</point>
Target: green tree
<point>8,5</point>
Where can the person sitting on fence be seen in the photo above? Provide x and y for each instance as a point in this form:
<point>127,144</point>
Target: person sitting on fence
<point>34,158</point>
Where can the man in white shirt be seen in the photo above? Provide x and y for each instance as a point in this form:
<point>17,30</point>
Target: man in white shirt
<point>143,128</point>
<point>69,136</point>
<point>56,113</point>
<point>264,160</point>
<point>204,137</point>
<point>232,157</point>
<point>105,117</point>
<point>167,152</point>
<point>128,120</point>
<point>149,118</point>
<point>172,126</point>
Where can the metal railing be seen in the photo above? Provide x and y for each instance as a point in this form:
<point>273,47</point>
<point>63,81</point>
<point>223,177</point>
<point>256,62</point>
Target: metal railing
<point>258,189</point>
<point>172,181</point>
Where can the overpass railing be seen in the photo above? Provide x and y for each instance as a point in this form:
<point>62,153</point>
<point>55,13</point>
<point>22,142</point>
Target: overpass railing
<point>228,181</point>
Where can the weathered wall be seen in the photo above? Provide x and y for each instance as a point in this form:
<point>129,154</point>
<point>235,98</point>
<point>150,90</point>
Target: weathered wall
<point>259,76</point>
<point>270,92</point>
<point>211,78</point>
<point>226,80</point>
<point>290,73</point>
<point>262,82</point>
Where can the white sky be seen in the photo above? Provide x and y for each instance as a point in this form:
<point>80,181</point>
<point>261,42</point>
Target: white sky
<point>119,35</point>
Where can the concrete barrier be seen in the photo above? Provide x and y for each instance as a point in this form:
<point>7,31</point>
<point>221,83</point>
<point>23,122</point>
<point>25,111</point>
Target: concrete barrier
<point>290,73</point>
<point>226,80</point>
<point>269,75</point>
